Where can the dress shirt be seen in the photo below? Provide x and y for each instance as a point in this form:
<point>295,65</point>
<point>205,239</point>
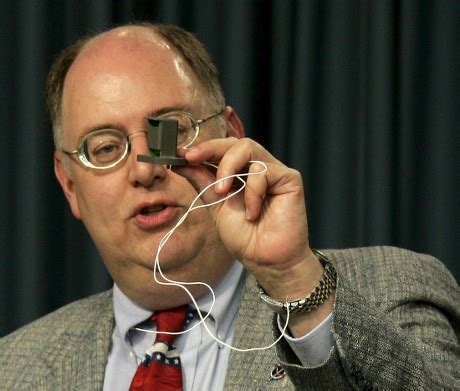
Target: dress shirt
<point>204,361</point>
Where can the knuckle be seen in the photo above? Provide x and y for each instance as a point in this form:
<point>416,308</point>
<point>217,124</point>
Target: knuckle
<point>296,173</point>
<point>255,168</point>
<point>247,142</point>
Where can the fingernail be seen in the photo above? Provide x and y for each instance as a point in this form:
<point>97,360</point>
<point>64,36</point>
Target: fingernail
<point>220,184</point>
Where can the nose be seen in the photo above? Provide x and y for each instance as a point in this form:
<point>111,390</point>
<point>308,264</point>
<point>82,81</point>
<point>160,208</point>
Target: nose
<point>140,173</point>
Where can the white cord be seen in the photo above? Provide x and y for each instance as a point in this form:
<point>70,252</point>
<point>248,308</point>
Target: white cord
<point>182,284</point>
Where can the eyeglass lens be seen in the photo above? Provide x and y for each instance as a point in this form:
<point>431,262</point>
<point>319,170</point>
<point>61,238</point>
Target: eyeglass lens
<point>104,147</point>
<point>186,127</point>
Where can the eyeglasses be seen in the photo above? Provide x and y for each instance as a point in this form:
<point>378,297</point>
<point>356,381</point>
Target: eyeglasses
<point>105,148</point>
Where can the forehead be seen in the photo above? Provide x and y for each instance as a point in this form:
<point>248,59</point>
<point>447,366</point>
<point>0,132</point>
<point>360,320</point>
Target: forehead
<point>127,71</point>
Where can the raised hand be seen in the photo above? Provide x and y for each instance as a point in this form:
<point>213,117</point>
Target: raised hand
<point>265,226</point>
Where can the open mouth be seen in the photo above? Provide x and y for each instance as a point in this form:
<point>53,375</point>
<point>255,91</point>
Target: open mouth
<point>150,210</point>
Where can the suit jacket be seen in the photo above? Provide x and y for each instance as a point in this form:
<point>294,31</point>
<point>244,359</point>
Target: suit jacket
<point>396,326</point>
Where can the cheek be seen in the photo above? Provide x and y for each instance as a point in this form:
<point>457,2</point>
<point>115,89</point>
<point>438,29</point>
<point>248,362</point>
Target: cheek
<point>98,196</point>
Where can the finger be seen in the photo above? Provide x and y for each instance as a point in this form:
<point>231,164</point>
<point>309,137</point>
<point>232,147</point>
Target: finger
<point>256,188</point>
<point>210,150</point>
<point>277,180</point>
<point>213,151</point>
<point>238,158</point>
<point>199,177</point>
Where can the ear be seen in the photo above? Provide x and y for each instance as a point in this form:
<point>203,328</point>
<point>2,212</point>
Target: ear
<point>66,183</point>
<point>235,127</point>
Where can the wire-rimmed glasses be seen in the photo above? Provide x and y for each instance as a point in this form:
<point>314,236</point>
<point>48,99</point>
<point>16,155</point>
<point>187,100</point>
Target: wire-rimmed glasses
<point>105,148</point>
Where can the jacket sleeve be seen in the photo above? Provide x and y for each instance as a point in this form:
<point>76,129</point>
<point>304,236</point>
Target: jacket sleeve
<point>396,325</point>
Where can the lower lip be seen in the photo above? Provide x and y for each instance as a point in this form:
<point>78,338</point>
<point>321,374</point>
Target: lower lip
<point>155,220</point>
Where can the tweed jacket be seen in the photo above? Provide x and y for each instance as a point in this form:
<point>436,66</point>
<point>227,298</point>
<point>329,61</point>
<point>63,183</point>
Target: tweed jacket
<point>395,327</point>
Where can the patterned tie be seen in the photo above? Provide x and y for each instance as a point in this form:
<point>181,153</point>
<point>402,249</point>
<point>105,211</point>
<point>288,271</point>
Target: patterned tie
<point>161,369</point>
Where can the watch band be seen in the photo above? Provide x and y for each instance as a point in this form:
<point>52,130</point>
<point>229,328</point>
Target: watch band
<point>317,296</point>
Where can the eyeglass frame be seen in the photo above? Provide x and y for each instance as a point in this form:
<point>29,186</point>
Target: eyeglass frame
<point>79,150</point>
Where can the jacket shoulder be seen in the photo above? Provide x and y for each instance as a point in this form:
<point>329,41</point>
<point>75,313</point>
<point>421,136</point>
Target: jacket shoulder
<point>53,338</point>
<point>390,276</point>
<point>69,318</point>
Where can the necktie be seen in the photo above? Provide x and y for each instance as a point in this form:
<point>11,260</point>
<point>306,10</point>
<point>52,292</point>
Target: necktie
<point>161,369</point>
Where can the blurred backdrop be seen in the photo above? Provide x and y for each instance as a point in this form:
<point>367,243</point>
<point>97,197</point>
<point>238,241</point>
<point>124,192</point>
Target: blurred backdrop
<point>360,96</point>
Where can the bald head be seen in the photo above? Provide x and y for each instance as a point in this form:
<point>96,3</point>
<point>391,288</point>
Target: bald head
<point>123,40</point>
<point>120,43</point>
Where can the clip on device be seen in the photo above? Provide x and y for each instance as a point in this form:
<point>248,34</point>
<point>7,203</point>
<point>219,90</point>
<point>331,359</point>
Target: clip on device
<point>162,143</point>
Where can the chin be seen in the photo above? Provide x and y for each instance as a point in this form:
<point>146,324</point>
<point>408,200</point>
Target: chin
<point>172,261</point>
<point>148,293</point>
<point>179,250</point>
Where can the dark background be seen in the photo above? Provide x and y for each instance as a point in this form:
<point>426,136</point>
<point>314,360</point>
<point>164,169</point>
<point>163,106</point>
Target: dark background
<point>360,96</point>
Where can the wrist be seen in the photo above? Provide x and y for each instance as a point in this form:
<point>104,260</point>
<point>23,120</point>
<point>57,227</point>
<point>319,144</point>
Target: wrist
<point>290,281</point>
<point>306,302</point>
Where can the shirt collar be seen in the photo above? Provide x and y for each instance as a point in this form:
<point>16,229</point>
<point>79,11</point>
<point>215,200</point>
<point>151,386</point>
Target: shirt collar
<point>227,292</point>
<point>128,313</point>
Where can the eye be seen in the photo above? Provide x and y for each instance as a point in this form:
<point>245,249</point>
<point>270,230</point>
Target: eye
<point>105,153</point>
<point>181,132</point>
<point>185,129</point>
<point>104,147</point>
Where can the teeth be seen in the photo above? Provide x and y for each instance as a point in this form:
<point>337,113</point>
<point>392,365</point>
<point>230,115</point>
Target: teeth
<point>153,209</point>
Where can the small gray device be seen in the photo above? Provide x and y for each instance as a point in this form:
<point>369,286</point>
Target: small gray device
<point>162,143</point>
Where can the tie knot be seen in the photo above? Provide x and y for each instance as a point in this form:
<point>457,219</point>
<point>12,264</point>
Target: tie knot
<point>161,370</point>
<point>171,320</point>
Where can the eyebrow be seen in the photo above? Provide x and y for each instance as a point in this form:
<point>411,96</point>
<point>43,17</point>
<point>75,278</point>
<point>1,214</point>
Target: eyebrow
<point>168,109</point>
<point>111,125</point>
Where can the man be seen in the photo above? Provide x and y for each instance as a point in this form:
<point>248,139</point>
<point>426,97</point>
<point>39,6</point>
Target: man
<point>388,319</point>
